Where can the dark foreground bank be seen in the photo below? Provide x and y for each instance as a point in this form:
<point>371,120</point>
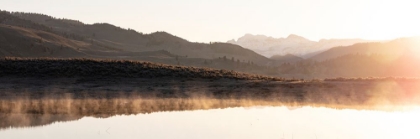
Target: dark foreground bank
<point>89,68</point>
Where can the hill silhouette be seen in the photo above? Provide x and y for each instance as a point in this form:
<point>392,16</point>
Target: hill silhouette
<point>27,42</point>
<point>395,48</point>
<point>113,38</point>
<point>286,58</point>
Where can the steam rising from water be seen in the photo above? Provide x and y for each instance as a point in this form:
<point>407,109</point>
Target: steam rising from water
<point>37,112</point>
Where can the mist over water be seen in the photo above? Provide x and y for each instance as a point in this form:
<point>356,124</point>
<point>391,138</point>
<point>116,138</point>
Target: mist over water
<point>25,112</point>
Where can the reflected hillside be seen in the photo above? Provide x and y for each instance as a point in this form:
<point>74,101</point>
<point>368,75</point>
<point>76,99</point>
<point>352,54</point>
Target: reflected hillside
<point>40,112</point>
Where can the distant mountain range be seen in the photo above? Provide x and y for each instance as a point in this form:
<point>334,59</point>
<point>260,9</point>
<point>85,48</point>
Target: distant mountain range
<point>293,44</point>
<point>36,35</point>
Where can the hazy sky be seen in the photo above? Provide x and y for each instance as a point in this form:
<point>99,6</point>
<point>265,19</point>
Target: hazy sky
<point>221,20</point>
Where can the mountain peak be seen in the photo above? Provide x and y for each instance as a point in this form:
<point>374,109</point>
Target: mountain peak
<point>254,36</point>
<point>293,36</point>
<point>248,35</point>
<point>293,44</point>
<point>231,41</point>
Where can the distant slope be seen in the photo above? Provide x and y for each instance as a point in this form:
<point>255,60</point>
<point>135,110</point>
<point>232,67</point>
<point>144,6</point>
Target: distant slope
<point>24,42</point>
<point>293,44</point>
<point>8,19</point>
<point>115,38</point>
<point>362,65</point>
<point>354,66</point>
<point>397,58</point>
<point>394,48</point>
<point>286,58</point>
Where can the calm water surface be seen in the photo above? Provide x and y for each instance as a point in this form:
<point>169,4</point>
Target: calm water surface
<point>245,123</point>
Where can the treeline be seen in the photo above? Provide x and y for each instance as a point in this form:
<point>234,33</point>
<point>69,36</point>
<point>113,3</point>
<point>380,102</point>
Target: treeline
<point>8,19</point>
<point>373,79</point>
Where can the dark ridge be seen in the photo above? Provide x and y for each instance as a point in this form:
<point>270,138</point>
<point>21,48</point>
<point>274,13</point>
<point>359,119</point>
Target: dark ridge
<point>44,18</point>
<point>20,67</point>
<point>286,58</point>
<point>8,19</point>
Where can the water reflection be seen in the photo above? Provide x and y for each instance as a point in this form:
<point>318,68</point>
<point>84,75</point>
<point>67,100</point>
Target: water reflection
<point>255,122</point>
<point>16,113</point>
<point>36,112</point>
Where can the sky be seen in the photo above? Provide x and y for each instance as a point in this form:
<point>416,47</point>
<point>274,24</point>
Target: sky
<point>222,20</point>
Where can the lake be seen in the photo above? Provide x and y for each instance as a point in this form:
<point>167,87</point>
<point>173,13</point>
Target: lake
<point>278,122</point>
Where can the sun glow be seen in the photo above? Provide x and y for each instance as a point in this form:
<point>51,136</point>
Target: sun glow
<point>403,123</point>
<point>391,19</point>
<point>415,45</point>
